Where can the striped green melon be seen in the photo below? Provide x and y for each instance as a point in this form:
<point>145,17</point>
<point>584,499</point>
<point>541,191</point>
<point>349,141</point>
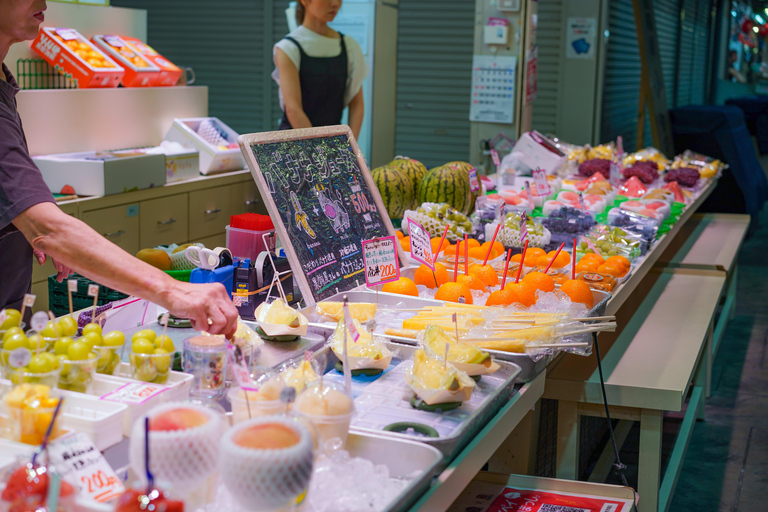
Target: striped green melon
<point>449,183</point>
<point>416,172</point>
<point>395,189</point>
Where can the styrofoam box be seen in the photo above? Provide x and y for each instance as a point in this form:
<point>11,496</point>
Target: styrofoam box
<point>182,166</point>
<point>212,158</point>
<point>178,384</point>
<point>98,419</point>
<point>91,176</point>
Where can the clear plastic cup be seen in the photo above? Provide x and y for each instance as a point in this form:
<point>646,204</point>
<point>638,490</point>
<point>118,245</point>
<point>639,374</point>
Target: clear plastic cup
<point>205,358</point>
<point>328,408</point>
<point>77,375</point>
<point>258,405</point>
<point>6,369</point>
<point>50,379</point>
<point>150,367</point>
<point>30,412</point>
<point>107,359</point>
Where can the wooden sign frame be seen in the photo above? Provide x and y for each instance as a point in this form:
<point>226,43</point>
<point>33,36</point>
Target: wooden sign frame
<point>249,140</point>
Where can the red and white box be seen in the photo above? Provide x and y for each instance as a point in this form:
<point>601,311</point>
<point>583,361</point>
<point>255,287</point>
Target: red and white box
<point>73,55</point>
<point>169,72</point>
<point>139,71</point>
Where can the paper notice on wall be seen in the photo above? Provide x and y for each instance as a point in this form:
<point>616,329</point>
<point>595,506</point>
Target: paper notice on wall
<point>493,89</point>
<point>580,38</point>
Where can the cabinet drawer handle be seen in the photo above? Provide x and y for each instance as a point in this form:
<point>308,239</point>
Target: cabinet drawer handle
<point>118,233</point>
<point>250,202</point>
<point>215,210</point>
<point>166,222</point>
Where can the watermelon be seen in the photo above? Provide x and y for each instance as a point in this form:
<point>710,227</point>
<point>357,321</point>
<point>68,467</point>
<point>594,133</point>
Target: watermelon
<point>395,189</point>
<point>415,171</point>
<point>449,183</point>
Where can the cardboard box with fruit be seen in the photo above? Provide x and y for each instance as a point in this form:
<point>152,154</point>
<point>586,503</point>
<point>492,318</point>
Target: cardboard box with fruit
<point>169,72</point>
<point>73,55</point>
<point>139,71</point>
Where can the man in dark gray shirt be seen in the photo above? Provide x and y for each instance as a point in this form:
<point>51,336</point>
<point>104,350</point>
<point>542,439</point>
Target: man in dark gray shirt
<point>30,220</point>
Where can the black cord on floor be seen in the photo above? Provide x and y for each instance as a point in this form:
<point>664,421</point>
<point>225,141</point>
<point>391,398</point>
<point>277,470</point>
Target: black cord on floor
<point>618,467</point>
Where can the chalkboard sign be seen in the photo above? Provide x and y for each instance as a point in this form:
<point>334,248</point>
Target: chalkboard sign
<point>323,202</point>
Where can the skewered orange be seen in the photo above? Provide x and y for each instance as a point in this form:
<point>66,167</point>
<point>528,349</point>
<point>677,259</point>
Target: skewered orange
<point>578,291</point>
<point>540,281</point>
<point>403,286</point>
<point>425,276</point>
<point>454,292</point>
<point>485,273</point>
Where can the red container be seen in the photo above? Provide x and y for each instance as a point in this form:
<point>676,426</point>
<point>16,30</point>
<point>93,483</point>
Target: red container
<point>139,71</point>
<point>169,72</point>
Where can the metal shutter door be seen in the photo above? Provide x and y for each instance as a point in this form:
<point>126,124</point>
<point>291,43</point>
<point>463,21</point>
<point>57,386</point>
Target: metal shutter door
<point>550,42</point>
<point>223,42</point>
<point>667,16</point>
<point>686,58</point>
<point>702,63</point>
<point>279,30</point>
<point>434,63</point>
<point>621,87</point>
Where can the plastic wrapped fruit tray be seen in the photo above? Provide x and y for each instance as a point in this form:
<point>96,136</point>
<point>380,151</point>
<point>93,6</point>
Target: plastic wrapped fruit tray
<point>100,420</point>
<point>382,404</point>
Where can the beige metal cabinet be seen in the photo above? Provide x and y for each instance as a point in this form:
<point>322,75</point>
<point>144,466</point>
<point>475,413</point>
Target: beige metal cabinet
<point>209,212</point>
<point>118,224</point>
<point>164,220</point>
<point>246,199</point>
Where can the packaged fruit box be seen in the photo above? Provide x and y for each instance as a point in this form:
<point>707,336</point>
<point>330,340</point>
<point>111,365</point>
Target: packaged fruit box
<point>139,71</point>
<point>169,72</point>
<point>72,54</point>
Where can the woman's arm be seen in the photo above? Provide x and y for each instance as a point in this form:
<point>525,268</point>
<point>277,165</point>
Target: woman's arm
<point>356,110</point>
<point>291,87</point>
<point>74,244</point>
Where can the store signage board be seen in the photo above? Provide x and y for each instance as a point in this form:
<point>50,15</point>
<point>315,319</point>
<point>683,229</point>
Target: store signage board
<point>321,197</point>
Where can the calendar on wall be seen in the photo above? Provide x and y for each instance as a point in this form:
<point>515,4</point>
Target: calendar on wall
<point>493,89</point>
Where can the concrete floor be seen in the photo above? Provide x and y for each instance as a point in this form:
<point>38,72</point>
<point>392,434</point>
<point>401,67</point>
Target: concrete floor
<point>726,466</point>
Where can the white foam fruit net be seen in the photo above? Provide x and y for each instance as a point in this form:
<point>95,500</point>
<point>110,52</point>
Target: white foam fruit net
<point>183,458</point>
<point>266,479</point>
<point>211,134</point>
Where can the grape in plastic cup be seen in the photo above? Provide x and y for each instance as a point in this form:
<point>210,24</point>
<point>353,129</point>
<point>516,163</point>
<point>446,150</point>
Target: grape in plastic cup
<point>150,367</point>
<point>77,375</point>
<point>107,359</point>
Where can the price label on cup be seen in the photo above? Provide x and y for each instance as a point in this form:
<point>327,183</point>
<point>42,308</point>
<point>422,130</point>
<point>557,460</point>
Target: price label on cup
<point>135,393</point>
<point>72,285</point>
<point>421,244</point>
<point>39,321</point>
<point>474,183</point>
<point>93,290</point>
<point>495,157</point>
<point>240,369</point>
<point>541,182</point>
<point>380,260</point>
<point>78,460</point>
<point>29,300</point>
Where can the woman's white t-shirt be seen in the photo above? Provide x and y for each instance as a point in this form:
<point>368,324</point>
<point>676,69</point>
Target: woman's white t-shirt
<point>316,45</point>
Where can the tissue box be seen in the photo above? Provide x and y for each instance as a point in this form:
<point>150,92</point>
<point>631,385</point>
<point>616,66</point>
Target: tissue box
<point>139,71</point>
<point>216,142</point>
<point>102,173</point>
<point>73,55</point>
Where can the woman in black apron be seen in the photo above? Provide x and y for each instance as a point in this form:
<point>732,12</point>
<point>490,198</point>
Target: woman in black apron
<point>317,92</point>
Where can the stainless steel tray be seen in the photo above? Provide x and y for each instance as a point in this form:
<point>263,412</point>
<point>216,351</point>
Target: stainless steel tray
<point>383,400</point>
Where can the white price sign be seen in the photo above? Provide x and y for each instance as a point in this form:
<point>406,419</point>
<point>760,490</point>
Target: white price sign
<point>39,321</point>
<point>540,180</point>
<point>240,370</point>
<point>72,285</point>
<point>135,393</point>
<point>78,459</point>
<point>29,300</point>
<point>421,244</point>
<point>19,358</point>
<point>474,183</point>
<point>93,290</point>
<point>380,260</point>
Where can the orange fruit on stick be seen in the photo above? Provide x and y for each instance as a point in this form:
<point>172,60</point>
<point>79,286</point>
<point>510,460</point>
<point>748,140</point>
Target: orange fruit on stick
<point>503,297</point>
<point>578,291</point>
<point>426,277</point>
<point>472,282</point>
<point>540,281</point>
<point>486,273</point>
<point>454,292</point>
<point>403,286</point>
<point>526,293</point>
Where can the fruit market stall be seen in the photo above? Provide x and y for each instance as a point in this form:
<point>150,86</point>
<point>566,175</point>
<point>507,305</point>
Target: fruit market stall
<point>358,342</point>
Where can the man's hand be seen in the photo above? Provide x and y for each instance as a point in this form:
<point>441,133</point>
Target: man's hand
<point>208,306</point>
<point>62,271</point>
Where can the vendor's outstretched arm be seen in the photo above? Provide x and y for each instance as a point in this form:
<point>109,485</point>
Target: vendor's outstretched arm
<point>74,244</point>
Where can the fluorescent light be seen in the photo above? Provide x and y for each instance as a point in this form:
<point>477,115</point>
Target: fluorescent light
<point>759,19</point>
<point>754,29</point>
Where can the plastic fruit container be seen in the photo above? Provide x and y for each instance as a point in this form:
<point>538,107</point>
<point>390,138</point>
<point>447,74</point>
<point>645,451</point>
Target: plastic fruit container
<point>150,367</point>
<point>77,375</point>
<point>30,412</point>
<point>107,359</point>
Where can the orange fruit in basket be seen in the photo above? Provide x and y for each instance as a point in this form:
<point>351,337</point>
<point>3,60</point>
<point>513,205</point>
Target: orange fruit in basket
<point>587,266</point>
<point>425,276</point>
<point>454,292</point>
<point>578,291</point>
<point>525,292</point>
<point>472,282</point>
<point>73,44</point>
<point>612,269</point>
<point>503,297</point>
<point>403,286</point>
<point>486,273</point>
<point>540,281</point>
<point>619,260</point>
<point>399,235</point>
<point>592,256</point>
<point>405,243</point>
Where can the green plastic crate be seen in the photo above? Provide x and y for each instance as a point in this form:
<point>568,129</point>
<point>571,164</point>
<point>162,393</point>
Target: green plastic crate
<point>58,301</point>
<point>179,275</point>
